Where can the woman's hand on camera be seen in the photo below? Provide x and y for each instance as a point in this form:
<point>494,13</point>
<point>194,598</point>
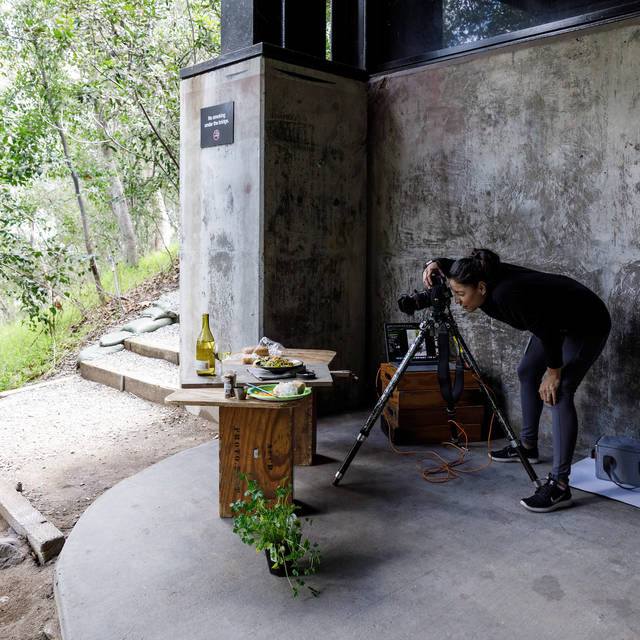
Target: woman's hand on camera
<point>431,269</point>
<point>549,388</point>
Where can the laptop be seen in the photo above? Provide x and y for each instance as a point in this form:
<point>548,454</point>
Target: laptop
<point>399,336</point>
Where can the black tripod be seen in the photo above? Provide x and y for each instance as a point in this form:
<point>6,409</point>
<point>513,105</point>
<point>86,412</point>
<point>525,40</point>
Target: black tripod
<point>447,326</point>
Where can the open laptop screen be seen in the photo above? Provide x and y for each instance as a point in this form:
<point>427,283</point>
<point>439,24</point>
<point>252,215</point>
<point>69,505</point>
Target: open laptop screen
<point>400,335</point>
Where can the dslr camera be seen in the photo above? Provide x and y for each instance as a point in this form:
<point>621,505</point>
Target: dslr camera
<point>438,298</point>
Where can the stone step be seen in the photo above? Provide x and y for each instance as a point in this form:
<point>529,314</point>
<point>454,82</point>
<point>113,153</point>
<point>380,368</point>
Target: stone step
<point>163,344</point>
<point>150,378</point>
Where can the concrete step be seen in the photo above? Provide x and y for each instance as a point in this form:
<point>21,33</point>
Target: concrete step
<point>147,367</point>
<point>163,344</point>
<point>149,378</point>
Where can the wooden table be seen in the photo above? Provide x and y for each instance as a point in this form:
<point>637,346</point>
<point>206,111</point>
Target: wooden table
<point>262,438</point>
<point>316,359</point>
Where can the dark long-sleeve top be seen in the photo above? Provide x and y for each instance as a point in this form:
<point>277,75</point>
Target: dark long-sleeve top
<point>548,305</point>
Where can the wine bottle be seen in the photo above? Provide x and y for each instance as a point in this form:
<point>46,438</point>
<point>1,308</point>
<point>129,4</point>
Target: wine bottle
<point>205,350</point>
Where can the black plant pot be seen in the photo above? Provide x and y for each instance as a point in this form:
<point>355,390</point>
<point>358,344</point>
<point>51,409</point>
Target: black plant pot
<point>280,570</point>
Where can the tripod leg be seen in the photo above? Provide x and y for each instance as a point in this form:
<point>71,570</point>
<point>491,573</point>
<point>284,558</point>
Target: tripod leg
<point>506,427</point>
<point>382,401</point>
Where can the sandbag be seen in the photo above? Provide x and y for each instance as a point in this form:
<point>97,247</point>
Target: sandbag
<point>156,312</point>
<point>96,351</point>
<point>144,325</point>
<point>115,337</point>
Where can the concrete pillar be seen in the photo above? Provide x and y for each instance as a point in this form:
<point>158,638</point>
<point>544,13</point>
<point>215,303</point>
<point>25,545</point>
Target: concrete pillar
<point>274,224</point>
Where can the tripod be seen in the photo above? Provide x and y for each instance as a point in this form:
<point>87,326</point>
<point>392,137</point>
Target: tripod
<point>446,327</point>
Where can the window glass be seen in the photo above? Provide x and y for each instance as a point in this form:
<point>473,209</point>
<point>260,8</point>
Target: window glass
<point>468,21</point>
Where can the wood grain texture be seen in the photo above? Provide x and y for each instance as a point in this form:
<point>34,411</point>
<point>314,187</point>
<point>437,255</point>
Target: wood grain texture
<point>420,380</point>
<point>258,443</point>
<point>215,398</point>
<point>416,412</point>
<point>304,431</point>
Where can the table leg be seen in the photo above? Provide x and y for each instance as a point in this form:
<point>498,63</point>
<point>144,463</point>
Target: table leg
<point>304,430</point>
<point>257,442</point>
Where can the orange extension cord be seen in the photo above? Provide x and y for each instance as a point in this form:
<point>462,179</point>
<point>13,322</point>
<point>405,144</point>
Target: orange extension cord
<point>442,470</point>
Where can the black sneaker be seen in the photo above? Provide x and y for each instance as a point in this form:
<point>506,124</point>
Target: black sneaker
<point>509,454</point>
<point>548,497</point>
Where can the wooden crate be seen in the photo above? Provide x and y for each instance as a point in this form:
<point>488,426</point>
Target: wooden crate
<point>416,412</point>
<point>256,441</point>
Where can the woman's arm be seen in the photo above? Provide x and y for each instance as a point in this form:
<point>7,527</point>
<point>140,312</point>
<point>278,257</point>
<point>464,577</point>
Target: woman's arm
<point>550,384</point>
<point>439,265</point>
<point>540,320</point>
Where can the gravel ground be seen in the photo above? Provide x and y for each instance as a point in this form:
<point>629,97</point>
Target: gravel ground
<point>67,442</point>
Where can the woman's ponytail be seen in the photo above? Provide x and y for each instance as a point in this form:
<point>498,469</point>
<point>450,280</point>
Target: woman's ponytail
<point>481,265</point>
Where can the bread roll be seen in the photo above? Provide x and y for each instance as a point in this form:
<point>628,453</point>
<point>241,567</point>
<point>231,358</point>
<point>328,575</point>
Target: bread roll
<point>300,386</point>
<point>248,350</point>
<point>261,351</point>
<point>248,359</point>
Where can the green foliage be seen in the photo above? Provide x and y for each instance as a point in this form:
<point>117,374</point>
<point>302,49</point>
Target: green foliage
<point>103,74</point>
<point>470,20</point>
<point>272,525</point>
<point>36,270</point>
<point>29,350</point>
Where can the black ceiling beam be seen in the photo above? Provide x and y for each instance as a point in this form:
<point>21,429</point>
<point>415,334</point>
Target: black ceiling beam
<point>298,25</point>
<point>305,26</point>
<point>399,29</point>
<point>347,32</point>
<point>244,23</point>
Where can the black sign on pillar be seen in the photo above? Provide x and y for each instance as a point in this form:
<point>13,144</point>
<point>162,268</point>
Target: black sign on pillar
<point>216,125</point>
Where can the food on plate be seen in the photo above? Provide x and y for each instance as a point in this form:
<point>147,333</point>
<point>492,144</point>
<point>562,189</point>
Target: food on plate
<point>275,362</point>
<point>288,389</point>
<point>300,386</point>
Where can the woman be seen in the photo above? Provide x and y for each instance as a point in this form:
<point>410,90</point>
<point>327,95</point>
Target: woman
<point>569,326</point>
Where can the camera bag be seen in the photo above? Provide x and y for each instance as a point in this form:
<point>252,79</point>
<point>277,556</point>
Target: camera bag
<point>618,460</point>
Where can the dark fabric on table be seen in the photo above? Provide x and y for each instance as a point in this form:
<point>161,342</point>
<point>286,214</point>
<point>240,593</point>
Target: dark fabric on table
<point>261,374</point>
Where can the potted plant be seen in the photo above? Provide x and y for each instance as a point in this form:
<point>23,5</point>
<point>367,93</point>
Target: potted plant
<point>273,527</point>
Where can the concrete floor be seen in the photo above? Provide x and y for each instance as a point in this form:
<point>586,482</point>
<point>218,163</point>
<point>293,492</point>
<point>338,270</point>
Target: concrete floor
<point>403,558</point>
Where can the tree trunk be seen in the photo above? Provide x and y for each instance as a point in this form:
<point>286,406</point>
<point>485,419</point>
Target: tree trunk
<point>83,214</point>
<point>120,207</point>
<point>76,183</point>
<point>164,231</point>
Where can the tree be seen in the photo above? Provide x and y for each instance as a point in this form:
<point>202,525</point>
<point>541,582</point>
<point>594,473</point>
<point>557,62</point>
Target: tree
<point>36,36</point>
<point>89,91</point>
<point>36,266</point>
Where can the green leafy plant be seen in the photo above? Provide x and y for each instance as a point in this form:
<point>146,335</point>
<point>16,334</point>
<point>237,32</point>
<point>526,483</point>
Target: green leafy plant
<point>273,526</point>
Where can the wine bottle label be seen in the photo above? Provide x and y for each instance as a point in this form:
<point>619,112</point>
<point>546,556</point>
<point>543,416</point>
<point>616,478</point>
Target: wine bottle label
<point>202,364</point>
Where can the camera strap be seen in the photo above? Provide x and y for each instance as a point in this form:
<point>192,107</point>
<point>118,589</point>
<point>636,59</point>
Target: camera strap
<point>450,393</point>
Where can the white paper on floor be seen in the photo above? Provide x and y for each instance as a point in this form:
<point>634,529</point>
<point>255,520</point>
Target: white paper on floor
<point>583,477</point>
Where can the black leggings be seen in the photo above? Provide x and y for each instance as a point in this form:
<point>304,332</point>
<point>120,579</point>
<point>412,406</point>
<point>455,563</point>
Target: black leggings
<point>578,354</point>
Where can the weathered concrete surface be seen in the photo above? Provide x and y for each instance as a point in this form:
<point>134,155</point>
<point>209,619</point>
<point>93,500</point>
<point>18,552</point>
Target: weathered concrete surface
<point>221,212</point>
<point>532,150</point>
<point>315,211</point>
<point>402,558</point>
<point>274,225</point>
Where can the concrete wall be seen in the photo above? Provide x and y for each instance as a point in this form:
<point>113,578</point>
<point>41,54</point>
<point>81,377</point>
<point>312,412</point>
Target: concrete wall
<point>532,150</point>
<point>274,225</point>
<point>221,213</point>
<point>315,211</point>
